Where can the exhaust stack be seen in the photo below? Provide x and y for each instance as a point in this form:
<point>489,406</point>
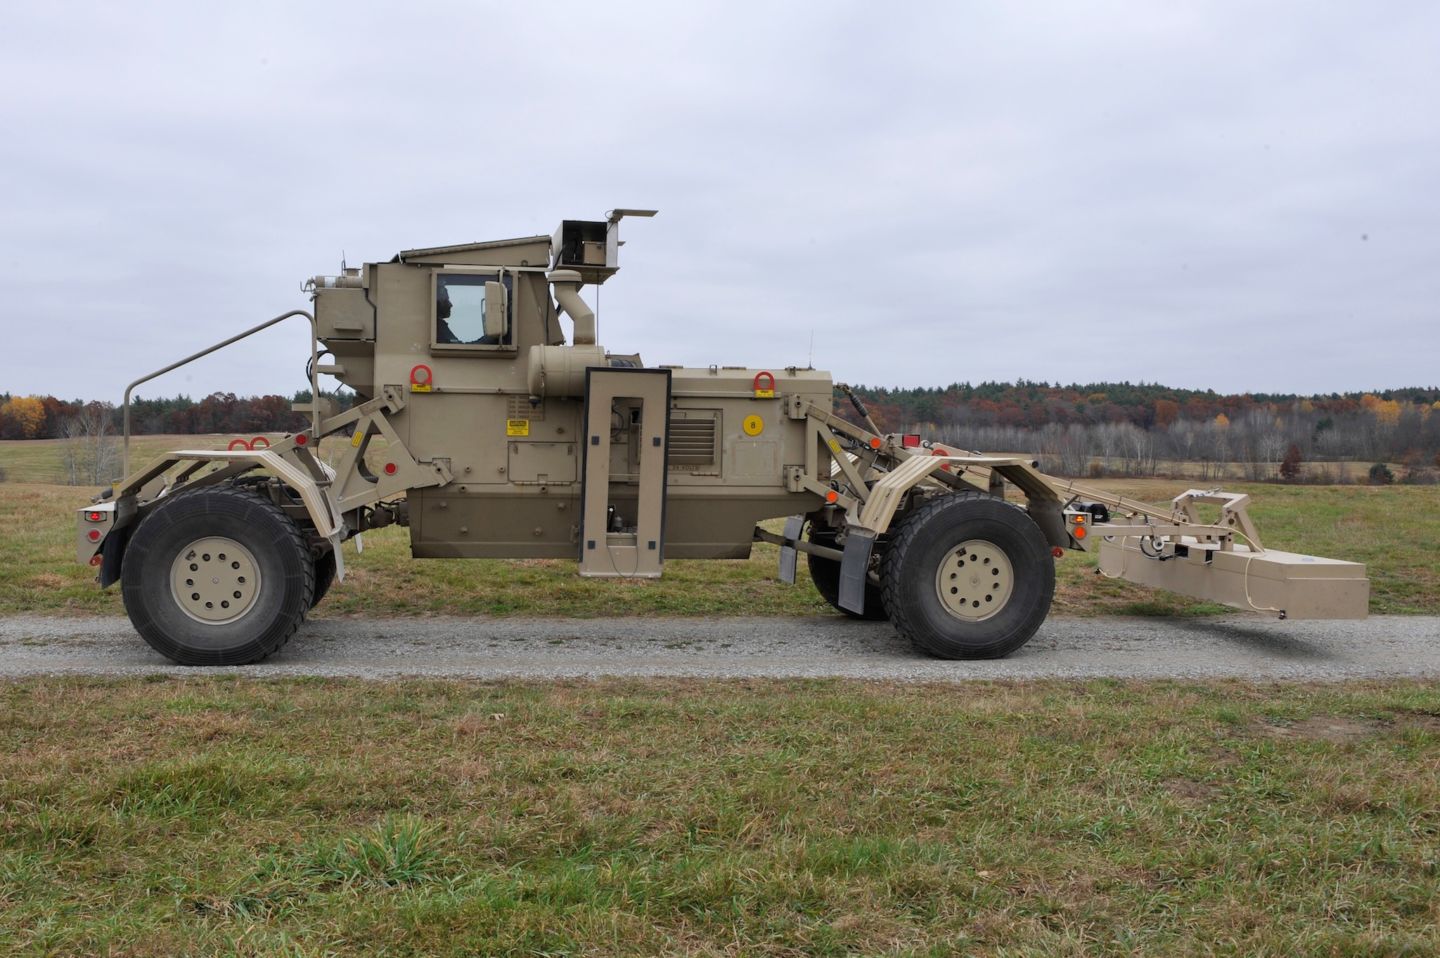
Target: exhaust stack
<point>567,293</point>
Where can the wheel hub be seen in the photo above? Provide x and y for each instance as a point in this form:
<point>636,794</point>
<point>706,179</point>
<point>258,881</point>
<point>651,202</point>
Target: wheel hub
<point>975,580</point>
<point>215,580</point>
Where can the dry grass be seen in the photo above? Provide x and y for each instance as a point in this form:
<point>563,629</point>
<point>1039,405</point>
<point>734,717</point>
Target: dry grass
<point>146,817</point>
<point>43,460</point>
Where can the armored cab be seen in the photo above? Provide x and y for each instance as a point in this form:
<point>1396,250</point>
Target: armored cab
<point>525,418</point>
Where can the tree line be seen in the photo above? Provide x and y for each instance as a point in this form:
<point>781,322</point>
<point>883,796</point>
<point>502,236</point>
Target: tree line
<point>46,417</point>
<point>88,430</point>
<point>1145,430</point>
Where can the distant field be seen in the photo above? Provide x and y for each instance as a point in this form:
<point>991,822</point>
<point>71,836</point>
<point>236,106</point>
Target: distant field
<point>309,818</point>
<point>1339,471</point>
<point>43,460</point>
<point>1395,530</point>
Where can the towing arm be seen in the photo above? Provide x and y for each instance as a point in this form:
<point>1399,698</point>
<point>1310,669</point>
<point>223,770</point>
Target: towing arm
<point>869,478</point>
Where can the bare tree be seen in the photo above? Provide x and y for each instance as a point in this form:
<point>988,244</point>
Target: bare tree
<point>1184,436</point>
<point>90,450</point>
<point>1139,450</point>
<point>1262,441</point>
<point>1108,433</point>
<point>1066,448</point>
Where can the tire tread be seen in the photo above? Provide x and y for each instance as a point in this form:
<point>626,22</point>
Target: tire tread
<point>903,539</point>
<point>289,538</point>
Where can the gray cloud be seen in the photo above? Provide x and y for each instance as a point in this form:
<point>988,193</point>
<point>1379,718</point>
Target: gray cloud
<point>1222,195</point>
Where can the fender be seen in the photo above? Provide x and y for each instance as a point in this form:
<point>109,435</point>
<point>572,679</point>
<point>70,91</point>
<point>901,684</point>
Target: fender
<point>127,505</point>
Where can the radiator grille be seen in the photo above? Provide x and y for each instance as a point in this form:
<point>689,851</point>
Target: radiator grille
<point>692,442</point>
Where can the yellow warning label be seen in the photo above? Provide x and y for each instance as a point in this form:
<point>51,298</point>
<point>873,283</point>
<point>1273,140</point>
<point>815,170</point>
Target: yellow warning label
<point>419,387</point>
<point>753,425</point>
<point>517,427</point>
<point>834,446</point>
<point>764,394</point>
<point>357,438</point>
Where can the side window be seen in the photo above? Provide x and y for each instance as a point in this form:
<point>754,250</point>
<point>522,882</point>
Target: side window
<point>469,314</point>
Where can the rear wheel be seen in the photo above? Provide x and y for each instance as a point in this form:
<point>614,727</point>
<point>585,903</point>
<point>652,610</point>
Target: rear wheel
<point>968,576</point>
<point>218,576</point>
<point>825,573</point>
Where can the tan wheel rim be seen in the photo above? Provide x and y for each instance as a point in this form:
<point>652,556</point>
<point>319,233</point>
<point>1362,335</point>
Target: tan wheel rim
<point>975,580</point>
<point>215,580</point>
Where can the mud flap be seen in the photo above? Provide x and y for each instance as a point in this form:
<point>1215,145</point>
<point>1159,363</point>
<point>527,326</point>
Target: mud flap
<point>335,541</point>
<point>112,554</point>
<point>788,554</point>
<point>854,570</point>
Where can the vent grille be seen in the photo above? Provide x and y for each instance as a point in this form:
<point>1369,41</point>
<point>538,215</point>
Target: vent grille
<point>520,408</point>
<point>692,442</point>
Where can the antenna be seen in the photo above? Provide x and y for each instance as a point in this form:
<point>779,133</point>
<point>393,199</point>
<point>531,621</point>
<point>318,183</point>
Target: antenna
<point>810,362</point>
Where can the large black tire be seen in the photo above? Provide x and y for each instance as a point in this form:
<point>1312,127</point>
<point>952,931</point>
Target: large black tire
<point>324,576</point>
<point>218,576</point>
<point>968,576</point>
<point>825,573</point>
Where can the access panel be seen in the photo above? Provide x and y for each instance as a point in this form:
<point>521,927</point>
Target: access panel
<point>622,521</point>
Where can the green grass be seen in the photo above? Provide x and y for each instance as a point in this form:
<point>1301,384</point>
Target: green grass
<point>1394,530</point>
<point>174,817</point>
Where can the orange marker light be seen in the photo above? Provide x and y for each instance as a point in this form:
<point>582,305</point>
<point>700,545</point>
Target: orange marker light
<point>831,496</point>
<point>1079,532</point>
<point>874,443</point>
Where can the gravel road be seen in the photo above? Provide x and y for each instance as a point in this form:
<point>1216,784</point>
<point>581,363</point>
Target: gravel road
<point>1236,646</point>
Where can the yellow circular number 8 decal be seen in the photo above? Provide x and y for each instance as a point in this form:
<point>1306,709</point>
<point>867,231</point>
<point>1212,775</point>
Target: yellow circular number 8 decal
<point>754,425</point>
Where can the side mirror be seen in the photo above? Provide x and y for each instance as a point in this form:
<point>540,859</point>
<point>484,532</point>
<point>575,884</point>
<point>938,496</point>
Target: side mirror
<point>497,313</point>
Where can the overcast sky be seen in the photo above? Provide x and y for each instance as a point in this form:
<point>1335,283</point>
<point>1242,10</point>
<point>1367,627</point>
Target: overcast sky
<point>1238,196</point>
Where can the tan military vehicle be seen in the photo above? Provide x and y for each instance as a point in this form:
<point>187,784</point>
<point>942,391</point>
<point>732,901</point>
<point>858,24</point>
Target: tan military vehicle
<point>504,438</point>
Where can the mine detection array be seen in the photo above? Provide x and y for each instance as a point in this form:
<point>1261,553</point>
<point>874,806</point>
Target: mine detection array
<point>503,439</point>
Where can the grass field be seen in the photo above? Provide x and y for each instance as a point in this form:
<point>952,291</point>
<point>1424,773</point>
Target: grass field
<point>43,460</point>
<point>1395,530</point>
<point>186,817</point>
<point>291,817</point>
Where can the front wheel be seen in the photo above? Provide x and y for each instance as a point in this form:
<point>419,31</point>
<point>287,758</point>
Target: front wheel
<point>218,576</point>
<point>968,576</point>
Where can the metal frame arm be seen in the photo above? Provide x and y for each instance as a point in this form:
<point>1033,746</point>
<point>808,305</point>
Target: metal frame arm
<point>314,376</point>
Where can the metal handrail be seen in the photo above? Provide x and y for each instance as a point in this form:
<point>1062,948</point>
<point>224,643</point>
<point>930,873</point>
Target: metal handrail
<point>314,376</point>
